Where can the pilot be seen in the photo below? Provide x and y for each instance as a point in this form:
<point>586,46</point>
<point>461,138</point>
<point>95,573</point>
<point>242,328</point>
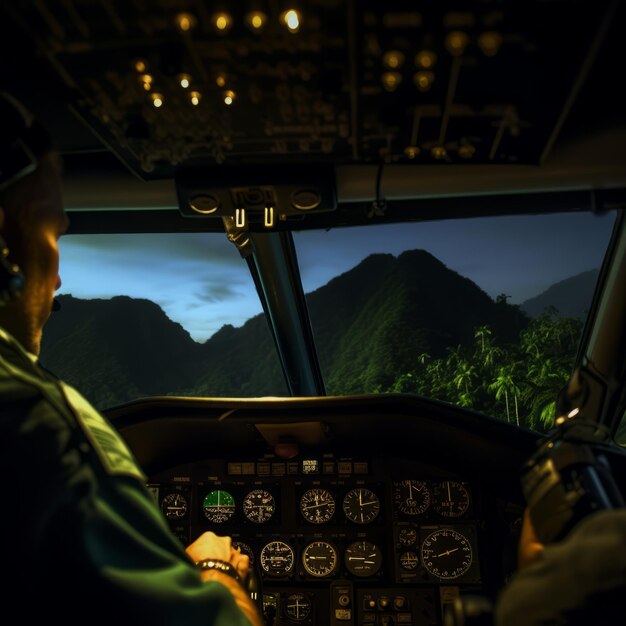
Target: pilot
<point>83,540</point>
<point>579,581</point>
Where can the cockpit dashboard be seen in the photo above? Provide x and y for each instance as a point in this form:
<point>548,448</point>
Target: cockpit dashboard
<point>385,523</point>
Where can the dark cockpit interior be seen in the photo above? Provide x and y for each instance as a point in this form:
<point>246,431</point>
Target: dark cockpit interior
<point>263,119</point>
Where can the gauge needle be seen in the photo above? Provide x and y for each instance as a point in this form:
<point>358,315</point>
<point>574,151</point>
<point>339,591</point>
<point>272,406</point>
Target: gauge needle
<point>314,506</point>
<point>447,552</point>
<point>449,496</point>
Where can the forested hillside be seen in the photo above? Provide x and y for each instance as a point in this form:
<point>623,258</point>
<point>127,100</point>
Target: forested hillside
<point>406,324</point>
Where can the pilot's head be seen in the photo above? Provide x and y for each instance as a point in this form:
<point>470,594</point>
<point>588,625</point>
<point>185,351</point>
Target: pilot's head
<point>32,219</point>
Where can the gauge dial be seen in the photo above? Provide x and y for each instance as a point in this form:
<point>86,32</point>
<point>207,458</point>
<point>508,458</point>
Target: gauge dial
<point>174,506</point>
<point>411,497</point>
<point>317,506</point>
<point>298,607</point>
<point>244,548</point>
<point>446,554</point>
<point>319,559</point>
<point>361,506</point>
<point>277,558</point>
<point>259,506</point>
<point>451,498</point>
<point>407,536</point>
<point>409,560</point>
<point>218,506</point>
<point>363,558</point>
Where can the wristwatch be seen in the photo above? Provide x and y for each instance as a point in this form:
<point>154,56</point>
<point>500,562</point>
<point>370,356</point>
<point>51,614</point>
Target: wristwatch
<point>221,566</point>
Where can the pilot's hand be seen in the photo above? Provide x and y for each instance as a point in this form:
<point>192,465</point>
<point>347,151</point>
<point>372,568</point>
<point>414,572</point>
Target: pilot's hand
<point>529,545</point>
<point>211,546</point>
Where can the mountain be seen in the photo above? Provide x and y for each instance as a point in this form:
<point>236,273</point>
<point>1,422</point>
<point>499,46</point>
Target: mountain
<point>373,321</point>
<point>571,297</point>
<point>370,324</point>
<point>122,347</point>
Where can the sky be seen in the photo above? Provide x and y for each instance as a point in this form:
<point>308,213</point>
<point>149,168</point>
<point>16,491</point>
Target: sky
<point>201,282</point>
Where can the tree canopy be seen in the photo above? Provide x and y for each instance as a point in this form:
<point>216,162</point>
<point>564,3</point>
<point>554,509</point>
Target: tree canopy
<point>517,382</point>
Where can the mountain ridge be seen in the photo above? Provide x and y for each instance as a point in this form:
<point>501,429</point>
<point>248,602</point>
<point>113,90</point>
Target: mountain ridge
<point>369,323</point>
<point>571,296</point>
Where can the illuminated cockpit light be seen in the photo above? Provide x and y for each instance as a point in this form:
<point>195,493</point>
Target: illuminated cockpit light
<point>220,80</point>
<point>222,22</point>
<point>438,152</point>
<point>184,80</point>
<point>195,97</point>
<point>393,59</point>
<point>291,19</point>
<point>157,100</point>
<point>456,42</point>
<point>229,97</point>
<point>140,65</point>
<point>185,21</point>
<point>423,80</point>
<point>391,80</point>
<point>467,151</point>
<point>256,20</point>
<point>490,42</point>
<point>425,59</point>
<point>146,80</point>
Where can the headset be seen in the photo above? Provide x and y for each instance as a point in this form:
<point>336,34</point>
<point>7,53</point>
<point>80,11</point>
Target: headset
<point>22,140</point>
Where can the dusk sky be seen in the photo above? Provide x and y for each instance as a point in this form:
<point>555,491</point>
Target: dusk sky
<point>202,283</point>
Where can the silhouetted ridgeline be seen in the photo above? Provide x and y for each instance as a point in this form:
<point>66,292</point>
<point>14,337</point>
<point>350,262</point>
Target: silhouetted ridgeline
<point>370,324</point>
<point>572,296</point>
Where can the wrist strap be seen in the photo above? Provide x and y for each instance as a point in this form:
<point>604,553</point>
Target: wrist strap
<point>222,566</point>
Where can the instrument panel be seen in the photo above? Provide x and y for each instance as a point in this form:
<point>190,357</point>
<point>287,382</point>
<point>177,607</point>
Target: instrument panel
<point>337,540</point>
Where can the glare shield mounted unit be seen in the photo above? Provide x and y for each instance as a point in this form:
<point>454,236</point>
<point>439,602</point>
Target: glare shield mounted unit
<point>270,195</point>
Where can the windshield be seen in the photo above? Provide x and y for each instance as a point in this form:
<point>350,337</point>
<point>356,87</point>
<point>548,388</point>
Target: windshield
<point>159,314</point>
<point>484,313</point>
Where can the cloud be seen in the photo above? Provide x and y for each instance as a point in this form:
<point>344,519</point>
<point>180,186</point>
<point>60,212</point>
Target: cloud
<point>213,248</point>
<point>217,293</point>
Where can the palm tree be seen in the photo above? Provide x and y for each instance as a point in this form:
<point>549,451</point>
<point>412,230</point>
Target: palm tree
<point>504,385</point>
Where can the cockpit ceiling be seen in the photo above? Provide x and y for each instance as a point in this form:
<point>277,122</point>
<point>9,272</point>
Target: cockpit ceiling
<point>167,83</point>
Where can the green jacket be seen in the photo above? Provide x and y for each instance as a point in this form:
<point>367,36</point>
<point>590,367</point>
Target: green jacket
<point>83,541</point>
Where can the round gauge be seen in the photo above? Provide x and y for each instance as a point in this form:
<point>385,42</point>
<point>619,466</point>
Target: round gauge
<point>361,506</point>
<point>277,558</point>
<point>259,506</point>
<point>244,548</point>
<point>319,559</point>
<point>446,554</point>
<point>174,506</point>
<point>409,560</point>
<point>451,498</point>
<point>363,558</point>
<point>298,607</point>
<point>407,536</point>
<point>218,506</point>
<point>317,506</point>
<point>411,497</point>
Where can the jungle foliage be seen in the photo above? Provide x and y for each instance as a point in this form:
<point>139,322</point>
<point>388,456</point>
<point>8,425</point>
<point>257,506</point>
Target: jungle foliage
<point>517,382</point>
